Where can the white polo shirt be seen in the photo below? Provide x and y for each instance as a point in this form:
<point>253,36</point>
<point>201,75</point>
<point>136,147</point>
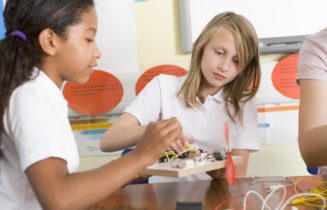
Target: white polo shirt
<point>159,100</point>
<point>36,127</point>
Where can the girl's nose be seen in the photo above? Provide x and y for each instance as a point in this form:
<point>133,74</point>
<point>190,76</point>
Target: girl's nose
<point>224,65</point>
<point>97,53</point>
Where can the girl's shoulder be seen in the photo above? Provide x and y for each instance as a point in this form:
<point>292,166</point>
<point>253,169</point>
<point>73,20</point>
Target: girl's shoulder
<point>38,88</point>
<point>28,89</point>
<point>168,79</point>
<point>248,103</point>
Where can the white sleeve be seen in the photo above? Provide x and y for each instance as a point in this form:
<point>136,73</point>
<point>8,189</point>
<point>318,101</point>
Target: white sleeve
<point>146,107</point>
<point>248,137</point>
<point>312,60</point>
<point>37,129</point>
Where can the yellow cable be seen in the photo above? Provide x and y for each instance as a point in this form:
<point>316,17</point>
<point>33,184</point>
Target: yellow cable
<point>311,200</point>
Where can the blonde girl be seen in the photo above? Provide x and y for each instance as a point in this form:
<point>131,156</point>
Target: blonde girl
<point>222,81</point>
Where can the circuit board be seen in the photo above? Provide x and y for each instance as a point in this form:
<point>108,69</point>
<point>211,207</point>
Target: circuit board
<point>170,170</point>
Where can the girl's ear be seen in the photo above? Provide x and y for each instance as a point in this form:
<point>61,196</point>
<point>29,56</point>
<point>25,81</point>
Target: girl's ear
<point>48,40</point>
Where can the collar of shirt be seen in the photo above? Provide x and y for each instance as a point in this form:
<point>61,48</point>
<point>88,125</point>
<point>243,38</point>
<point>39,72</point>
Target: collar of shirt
<point>49,85</point>
<point>218,97</point>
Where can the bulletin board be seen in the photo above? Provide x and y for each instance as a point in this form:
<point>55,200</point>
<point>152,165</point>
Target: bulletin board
<point>281,24</point>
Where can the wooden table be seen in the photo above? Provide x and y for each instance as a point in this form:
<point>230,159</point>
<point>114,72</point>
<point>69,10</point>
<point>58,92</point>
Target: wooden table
<point>211,193</point>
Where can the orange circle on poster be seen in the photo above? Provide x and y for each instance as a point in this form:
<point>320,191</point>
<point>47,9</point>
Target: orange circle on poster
<point>100,94</point>
<point>284,77</point>
<point>148,75</point>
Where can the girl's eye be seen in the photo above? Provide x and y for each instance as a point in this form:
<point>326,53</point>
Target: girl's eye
<point>89,40</point>
<point>236,61</point>
<point>218,52</point>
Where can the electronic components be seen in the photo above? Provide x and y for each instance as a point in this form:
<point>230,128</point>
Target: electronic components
<point>191,156</point>
<point>221,154</point>
<point>172,155</point>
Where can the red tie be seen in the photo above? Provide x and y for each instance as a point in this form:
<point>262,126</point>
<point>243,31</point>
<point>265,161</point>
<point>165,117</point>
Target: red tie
<point>230,168</point>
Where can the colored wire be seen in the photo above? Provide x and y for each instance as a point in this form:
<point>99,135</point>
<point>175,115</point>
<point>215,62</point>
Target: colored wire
<point>319,189</point>
<point>250,192</point>
<point>274,189</point>
<point>290,199</point>
<point>265,200</point>
<point>179,154</point>
<point>297,181</point>
<point>307,198</point>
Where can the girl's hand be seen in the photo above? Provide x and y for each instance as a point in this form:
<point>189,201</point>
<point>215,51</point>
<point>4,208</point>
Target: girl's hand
<point>157,137</point>
<point>179,145</point>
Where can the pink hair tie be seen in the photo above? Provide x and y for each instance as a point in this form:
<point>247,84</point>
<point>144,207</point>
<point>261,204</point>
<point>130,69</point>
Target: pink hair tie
<point>20,34</point>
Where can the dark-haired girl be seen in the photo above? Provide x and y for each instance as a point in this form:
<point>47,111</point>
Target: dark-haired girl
<point>48,42</point>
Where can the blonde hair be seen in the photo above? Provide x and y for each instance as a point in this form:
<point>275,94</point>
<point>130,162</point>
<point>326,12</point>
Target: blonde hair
<point>247,48</point>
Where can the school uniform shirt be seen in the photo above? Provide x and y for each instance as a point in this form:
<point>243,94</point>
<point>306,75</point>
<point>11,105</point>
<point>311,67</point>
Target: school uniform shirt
<point>313,62</point>
<point>36,127</point>
<point>205,124</point>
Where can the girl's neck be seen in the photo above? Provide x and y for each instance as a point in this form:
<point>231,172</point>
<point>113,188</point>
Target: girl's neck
<point>210,90</point>
<point>48,70</point>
